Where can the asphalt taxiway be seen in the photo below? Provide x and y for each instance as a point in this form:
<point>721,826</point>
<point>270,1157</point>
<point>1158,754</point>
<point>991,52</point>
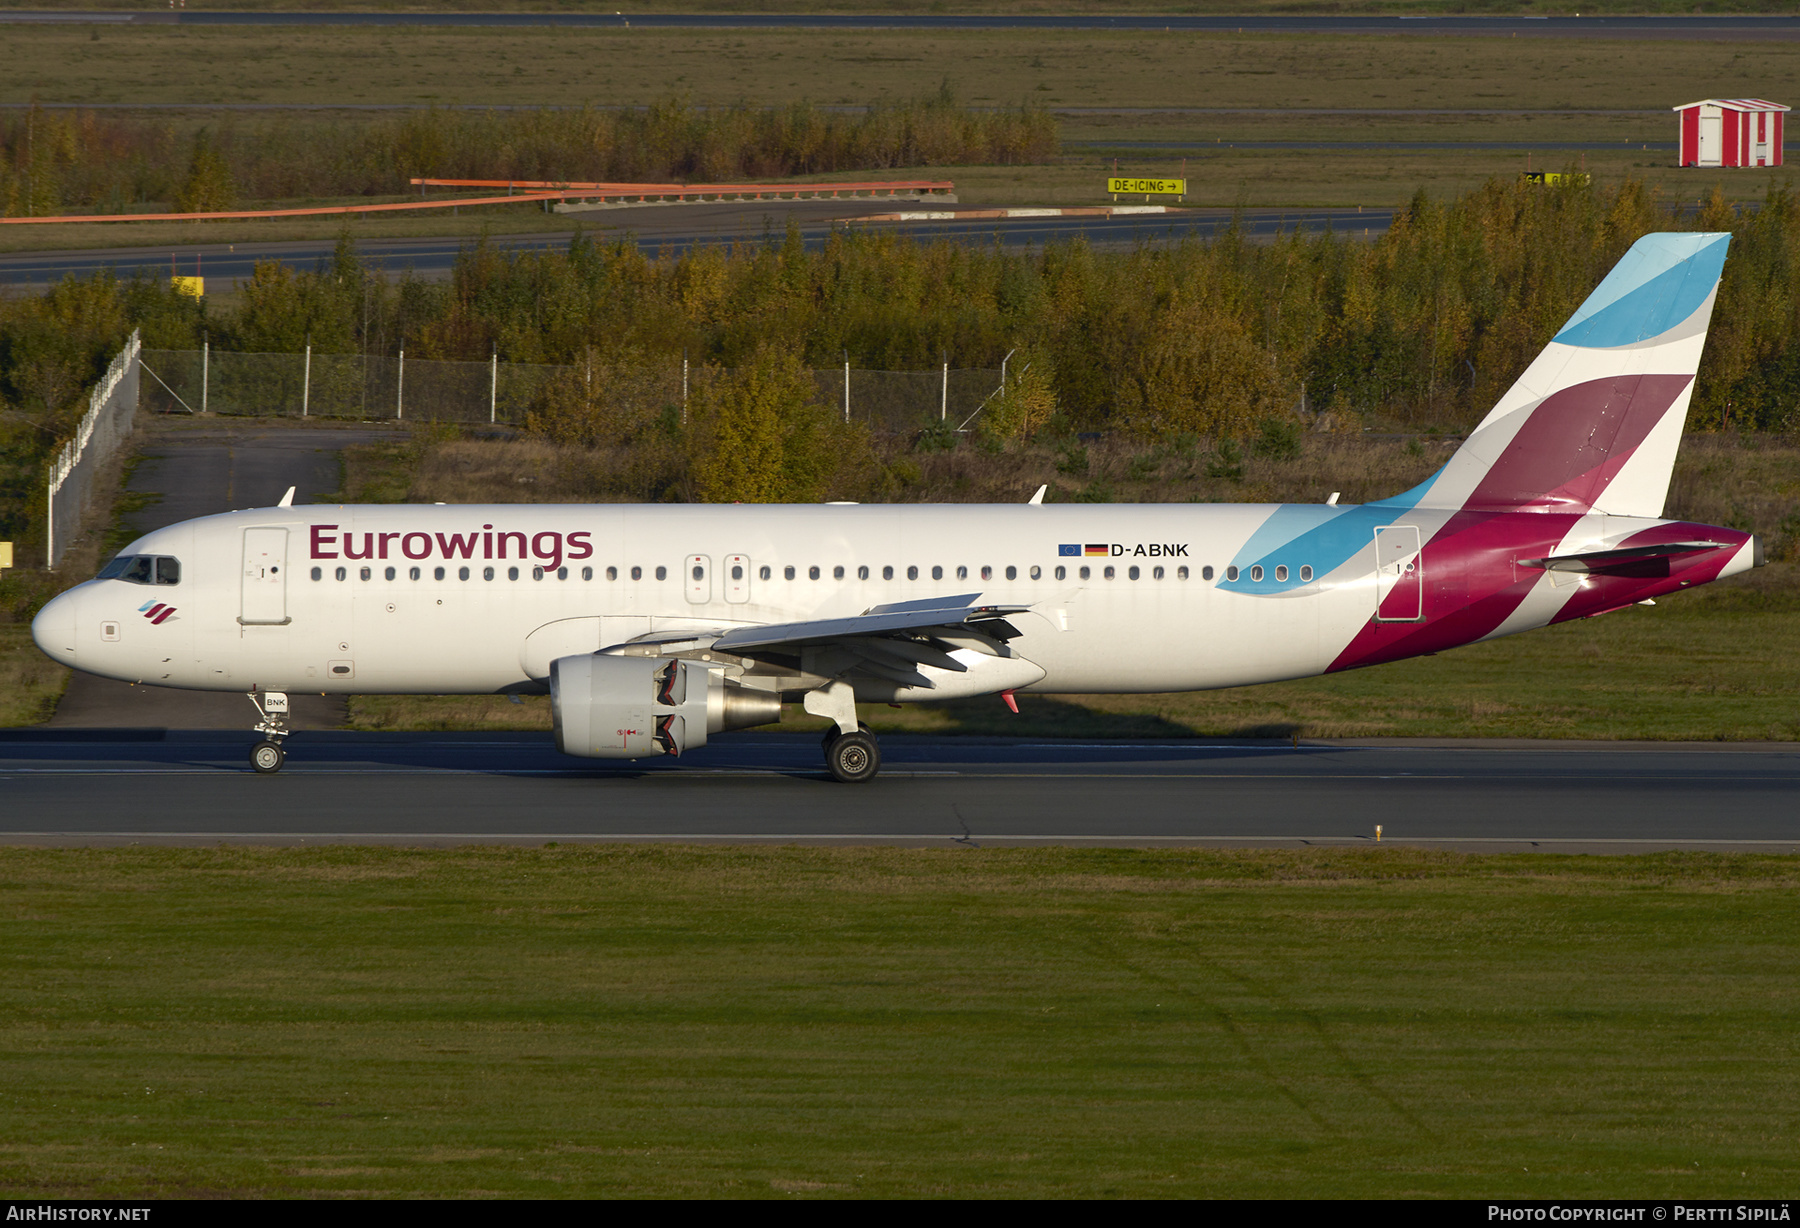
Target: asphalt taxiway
<point>674,230</point>
<point>155,786</point>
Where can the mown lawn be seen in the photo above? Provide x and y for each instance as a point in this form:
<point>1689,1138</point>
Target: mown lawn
<point>828,1022</point>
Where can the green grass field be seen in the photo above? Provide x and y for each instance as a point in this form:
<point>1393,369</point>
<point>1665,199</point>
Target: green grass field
<point>1107,88</point>
<point>1060,68</point>
<point>831,1023</point>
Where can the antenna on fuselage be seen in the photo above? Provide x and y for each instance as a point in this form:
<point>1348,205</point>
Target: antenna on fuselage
<point>1037,499</point>
<point>287,500</point>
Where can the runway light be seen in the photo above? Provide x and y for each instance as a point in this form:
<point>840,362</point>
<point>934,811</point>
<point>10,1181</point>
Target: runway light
<point>1377,833</point>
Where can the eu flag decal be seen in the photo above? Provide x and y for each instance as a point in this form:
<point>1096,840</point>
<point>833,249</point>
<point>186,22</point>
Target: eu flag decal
<point>1068,552</point>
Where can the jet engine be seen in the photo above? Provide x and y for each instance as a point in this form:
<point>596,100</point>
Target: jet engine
<point>607,707</point>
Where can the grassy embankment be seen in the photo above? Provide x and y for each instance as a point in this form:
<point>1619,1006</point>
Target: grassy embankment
<point>1719,663</point>
<point>840,1023</point>
<point>1068,71</point>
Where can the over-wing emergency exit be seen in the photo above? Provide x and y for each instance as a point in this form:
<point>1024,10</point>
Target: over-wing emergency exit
<point>654,627</point>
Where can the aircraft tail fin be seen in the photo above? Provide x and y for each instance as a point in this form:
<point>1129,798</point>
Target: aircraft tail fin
<point>1593,424</point>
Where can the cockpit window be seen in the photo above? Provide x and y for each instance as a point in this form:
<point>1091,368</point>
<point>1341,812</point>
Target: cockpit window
<point>142,569</point>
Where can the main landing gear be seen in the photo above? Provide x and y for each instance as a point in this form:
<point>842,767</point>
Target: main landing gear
<point>267,755</point>
<point>852,757</point>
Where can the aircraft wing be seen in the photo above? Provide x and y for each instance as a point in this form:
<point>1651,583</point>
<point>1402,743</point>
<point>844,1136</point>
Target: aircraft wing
<point>933,614</point>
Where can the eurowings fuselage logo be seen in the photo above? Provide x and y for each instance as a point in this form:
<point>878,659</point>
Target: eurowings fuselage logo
<point>157,612</point>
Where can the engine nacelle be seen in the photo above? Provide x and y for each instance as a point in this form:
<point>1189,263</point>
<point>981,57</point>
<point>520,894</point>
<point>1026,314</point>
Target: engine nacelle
<point>607,707</point>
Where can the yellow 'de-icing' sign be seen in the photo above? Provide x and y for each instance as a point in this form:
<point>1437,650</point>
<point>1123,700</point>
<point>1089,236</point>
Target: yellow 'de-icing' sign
<point>1147,187</point>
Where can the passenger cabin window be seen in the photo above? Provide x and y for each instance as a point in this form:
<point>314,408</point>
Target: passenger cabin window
<point>1062,573</point>
<point>787,573</point>
<point>765,573</point>
<point>887,573</point>
<point>1012,573</point>
<point>1206,573</point>
<point>318,573</point>
<point>862,573</point>
<point>937,573</point>
<point>912,573</point>
<point>1305,573</point>
<point>662,573</point>
<point>637,573</point>
<point>837,573</point>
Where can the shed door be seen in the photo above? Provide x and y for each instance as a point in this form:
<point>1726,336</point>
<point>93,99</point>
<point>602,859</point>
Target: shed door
<point>265,578</point>
<point>1712,136</point>
<point>1399,591</point>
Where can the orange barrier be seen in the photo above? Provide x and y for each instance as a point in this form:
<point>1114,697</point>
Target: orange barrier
<point>683,191</point>
<point>565,192</point>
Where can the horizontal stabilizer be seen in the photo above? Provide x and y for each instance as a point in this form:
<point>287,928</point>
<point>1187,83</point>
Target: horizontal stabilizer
<point>1607,560</point>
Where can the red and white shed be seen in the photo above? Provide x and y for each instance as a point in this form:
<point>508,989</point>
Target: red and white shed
<point>1731,132</point>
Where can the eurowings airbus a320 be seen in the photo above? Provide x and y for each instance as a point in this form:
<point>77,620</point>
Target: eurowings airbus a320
<point>654,627</point>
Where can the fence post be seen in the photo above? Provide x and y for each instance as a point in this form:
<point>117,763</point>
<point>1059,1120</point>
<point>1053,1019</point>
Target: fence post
<point>400,388</point>
<point>944,396</point>
<point>50,521</point>
<point>306,383</point>
<point>205,370</point>
<point>684,377</point>
<point>494,387</point>
<point>846,390</point>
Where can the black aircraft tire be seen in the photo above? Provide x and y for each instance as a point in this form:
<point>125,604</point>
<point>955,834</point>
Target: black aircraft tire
<point>854,757</point>
<point>267,756</point>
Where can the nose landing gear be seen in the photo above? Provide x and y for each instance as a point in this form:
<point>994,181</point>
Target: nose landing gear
<point>267,755</point>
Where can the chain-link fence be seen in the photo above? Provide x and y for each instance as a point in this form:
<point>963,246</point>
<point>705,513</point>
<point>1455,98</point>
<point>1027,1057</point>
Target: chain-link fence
<point>103,428</point>
<point>314,385</point>
<point>418,390</point>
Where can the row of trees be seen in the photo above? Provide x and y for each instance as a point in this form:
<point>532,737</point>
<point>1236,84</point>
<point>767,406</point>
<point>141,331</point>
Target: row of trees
<point>52,161</point>
<point>1424,326</point>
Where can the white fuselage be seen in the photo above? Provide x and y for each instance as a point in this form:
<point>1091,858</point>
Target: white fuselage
<point>628,570</point>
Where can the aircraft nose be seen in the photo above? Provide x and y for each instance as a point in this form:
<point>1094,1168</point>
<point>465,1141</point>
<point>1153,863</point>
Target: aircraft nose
<point>54,629</point>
